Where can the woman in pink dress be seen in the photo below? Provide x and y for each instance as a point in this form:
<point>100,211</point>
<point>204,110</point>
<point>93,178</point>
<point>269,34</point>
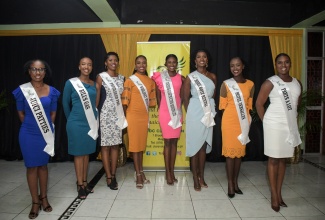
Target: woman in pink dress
<point>169,84</point>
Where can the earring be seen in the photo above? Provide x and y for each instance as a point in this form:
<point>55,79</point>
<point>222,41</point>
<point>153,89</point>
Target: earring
<point>196,66</point>
<point>105,67</point>
<point>206,65</point>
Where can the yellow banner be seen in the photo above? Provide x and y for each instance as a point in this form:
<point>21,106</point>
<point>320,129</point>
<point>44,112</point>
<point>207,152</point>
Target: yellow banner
<point>156,52</point>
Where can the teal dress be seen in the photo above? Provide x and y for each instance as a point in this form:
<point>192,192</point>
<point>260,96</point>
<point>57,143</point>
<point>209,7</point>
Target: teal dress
<point>79,142</point>
<point>196,132</point>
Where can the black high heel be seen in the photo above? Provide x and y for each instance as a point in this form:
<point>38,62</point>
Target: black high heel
<point>87,188</point>
<point>238,191</point>
<point>47,208</point>
<point>81,192</point>
<point>113,185</point>
<point>33,215</point>
<point>282,204</point>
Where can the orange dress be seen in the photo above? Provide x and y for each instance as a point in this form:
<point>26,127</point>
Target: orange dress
<point>230,126</point>
<point>136,112</point>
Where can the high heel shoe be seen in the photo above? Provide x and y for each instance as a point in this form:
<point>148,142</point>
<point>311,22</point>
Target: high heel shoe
<point>33,215</point>
<point>145,180</point>
<point>47,208</point>
<point>203,184</point>
<point>113,184</point>
<point>81,192</point>
<point>276,207</point>
<point>87,188</point>
<point>282,204</point>
<point>138,185</point>
<point>238,191</point>
<point>170,182</point>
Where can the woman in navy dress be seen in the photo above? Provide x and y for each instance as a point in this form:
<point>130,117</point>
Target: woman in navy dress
<point>31,140</point>
<point>80,144</point>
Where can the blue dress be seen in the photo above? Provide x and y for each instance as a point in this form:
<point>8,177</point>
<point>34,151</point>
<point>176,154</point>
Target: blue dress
<point>196,132</point>
<point>79,142</point>
<point>31,140</point>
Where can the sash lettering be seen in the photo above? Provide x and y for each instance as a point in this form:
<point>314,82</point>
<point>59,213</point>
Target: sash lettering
<point>143,91</point>
<point>39,114</point>
<point>241,110</point>
<point>86,103</point>
<point>121,122</point>
<point>208,118</point>
<point>293,138</point>
<point>175,114</point>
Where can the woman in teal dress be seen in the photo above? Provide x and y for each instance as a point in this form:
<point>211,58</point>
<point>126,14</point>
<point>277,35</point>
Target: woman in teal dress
<point>199,135</point>
<point>80,144</point>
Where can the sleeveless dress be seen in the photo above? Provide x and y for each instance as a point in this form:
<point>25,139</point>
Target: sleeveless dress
<point>230,125</point>
<point>164,116</point>
<point>109,133</point>
<point>196,132</point>
<point>79,142</point>
<point>136,113</point>
<point>31,140</point>
<point>275,123</point>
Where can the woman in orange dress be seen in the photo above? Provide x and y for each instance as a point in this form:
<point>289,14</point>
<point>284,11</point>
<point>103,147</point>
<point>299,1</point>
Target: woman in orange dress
<point>138,96</point>
<point>235,121</point>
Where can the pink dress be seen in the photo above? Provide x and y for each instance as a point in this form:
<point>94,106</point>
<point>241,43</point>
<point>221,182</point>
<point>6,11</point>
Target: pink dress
<point>164,117</point>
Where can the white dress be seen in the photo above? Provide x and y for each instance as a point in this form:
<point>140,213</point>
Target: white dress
<point>275,125</point>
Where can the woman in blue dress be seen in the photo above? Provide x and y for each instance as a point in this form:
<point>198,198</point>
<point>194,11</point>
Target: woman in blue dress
<point>81,135</point>
<point>200,108</point>
<point>43,99</point>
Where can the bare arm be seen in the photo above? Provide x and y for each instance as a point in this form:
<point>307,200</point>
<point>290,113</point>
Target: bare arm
<point>53,115</point>
<point>299,98</point>
<point>214,79</point>
<point>99,81</point>
<point>21,115</point>
<point>186,92</point>
<point>263,95</point>
<point>158,95</point>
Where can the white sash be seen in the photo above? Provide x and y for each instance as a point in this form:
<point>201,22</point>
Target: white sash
<point>143,92</point>
<point>121,122</point>
<point>86,104</point>
<point>175,114</point>
<point>208,118</point>
<point>39,114</point>
<point>241,110</point>
<point>293,138</point>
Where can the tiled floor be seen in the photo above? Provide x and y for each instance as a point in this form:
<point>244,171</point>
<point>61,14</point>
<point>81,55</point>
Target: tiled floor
<point>303,191</point>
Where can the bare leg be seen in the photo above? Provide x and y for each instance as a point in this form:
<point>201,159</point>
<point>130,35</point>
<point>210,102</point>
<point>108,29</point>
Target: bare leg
<point>32,180</point>
<point>237,164</point>
<point>105,151</point>
<point>85,168</point>
<point>195,167</point>
<point>78,165</point>
<point>281,173</point>
<point>173,153</point>
<point>230,163</point>
<point>273,167</point>
<point>43,179</point>
<point>114,158</point>
<point>167,158</point>
<point>138,176</point>
<point>202,156</point>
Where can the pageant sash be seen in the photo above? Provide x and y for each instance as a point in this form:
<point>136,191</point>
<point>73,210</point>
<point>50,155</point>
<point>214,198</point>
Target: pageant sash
<point>241,110</point>
<point>208,118</point>
<point>143,91</point>
<point>86,104</point>
<point>39,114</point>
<point>175,114</point>
<point>113,89</point>
<point>293,138</point>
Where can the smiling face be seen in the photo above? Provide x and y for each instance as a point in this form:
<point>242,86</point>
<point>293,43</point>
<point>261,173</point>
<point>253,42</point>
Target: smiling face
<point>37,71</point>
<point>112,62</point>
<point>141,65</point>
<point>201,59</point>
<point>85,66</point>
<point>236,66</point>
<point>283,65</point>
<point>171,64</point>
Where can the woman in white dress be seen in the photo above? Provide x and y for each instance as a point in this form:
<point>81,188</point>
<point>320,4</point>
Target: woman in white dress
<point>280,127</point>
